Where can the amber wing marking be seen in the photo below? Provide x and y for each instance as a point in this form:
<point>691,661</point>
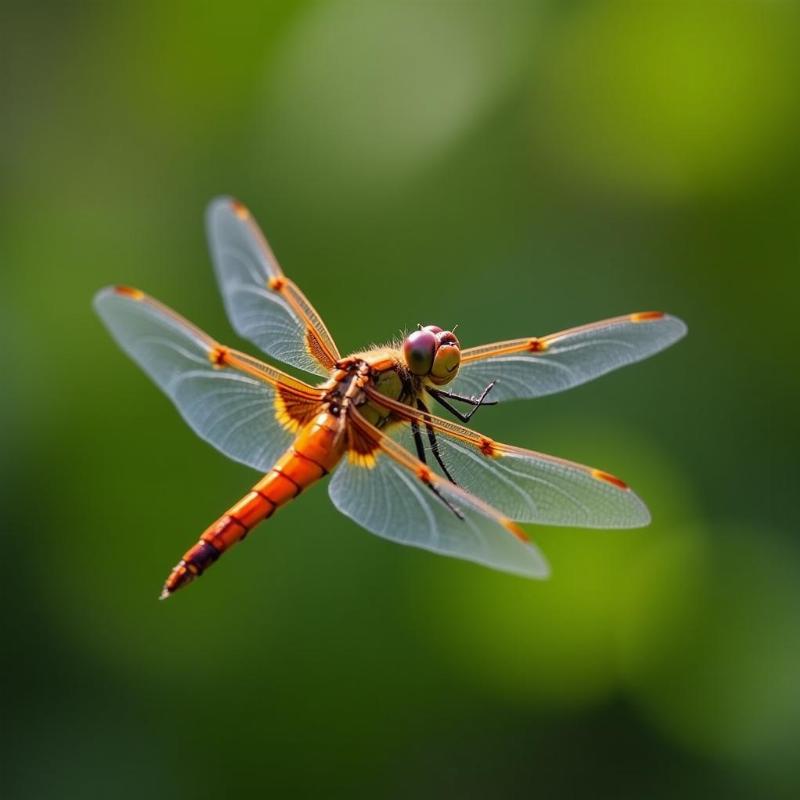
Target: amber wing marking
<point>294,410</point>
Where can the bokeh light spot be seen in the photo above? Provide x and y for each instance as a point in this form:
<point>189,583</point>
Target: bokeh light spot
<point>711,652</point>
<point>669,98</point>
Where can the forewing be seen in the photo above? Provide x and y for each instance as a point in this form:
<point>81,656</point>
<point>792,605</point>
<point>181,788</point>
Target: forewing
<point>264,305</point>
<point>229,399</point>
<point>524,485</point>
<point>534,367</point>
<point>393,495</point>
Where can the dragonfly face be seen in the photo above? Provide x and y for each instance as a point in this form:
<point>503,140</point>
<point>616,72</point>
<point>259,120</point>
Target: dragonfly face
<point>399,471</point>
<point>432,353</point>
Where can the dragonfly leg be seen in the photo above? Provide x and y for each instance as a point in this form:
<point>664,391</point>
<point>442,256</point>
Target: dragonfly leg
<point>476,402</point>
<point>421,453</point>
<point>418,441</point>
<point>473,401</point>
<point>434,444</point>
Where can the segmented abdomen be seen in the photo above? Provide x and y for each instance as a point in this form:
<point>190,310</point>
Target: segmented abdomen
<point>317,449</point>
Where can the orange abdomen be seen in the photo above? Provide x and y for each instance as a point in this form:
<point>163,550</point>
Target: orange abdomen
<point>315,452</point>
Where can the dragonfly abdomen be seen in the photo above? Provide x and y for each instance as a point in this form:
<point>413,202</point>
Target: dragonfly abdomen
<point>317,449</point>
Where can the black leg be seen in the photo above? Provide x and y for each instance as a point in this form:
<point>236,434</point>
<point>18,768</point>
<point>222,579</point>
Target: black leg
<point>475,402</point>
<point>436,491</point>
<point>418,441</point>
<point>421,455</point>
<point>435,444</point>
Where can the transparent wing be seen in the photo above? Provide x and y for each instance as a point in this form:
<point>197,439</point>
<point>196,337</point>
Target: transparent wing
<point>524,485</point>
<point>263,305</point>
<point>391,494</point>
<point>534,367</point>
<point>233,401</point>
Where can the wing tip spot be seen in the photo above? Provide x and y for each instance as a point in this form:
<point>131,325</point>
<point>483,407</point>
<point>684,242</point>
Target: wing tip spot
<point>276,283</point>
<point>647,316</point>
<point>129,291</point>
<point>599,475</point>
<point>424,474</point>
<point>517,531</point>
<point>536,345</point>
<point>217,355</point>
<point>489,447</point>
<point>240,209</point>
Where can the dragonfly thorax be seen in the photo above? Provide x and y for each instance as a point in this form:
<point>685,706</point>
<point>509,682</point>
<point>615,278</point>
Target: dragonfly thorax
<point>380,370</point>
<point>346,386</point>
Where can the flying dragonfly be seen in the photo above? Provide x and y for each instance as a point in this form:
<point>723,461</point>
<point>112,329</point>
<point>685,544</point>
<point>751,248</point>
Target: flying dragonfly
<point>399,471</point>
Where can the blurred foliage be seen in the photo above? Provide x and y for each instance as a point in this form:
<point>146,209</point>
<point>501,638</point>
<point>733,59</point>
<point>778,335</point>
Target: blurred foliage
<point>513,167</point>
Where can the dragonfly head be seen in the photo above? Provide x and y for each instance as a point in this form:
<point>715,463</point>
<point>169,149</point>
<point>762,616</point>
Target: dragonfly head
<point>433,353</point>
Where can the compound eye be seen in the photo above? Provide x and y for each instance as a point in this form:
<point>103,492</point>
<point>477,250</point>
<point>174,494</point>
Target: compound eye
<point>447,337</point>
<point>419,349</point>
<point>447,359</point>
<point>445,364</point>
<point>432,328</point>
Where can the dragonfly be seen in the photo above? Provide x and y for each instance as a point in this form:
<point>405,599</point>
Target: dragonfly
<point>398,470</point>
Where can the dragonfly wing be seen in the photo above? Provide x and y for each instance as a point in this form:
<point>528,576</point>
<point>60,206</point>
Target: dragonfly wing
<point>534,367</point>
<point>393,495</point>
<point>234,402</point>
<point>263,305</point>
<point>524,485</point>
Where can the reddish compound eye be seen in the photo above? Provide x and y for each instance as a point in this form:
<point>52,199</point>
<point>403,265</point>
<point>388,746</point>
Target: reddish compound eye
<point>419,349</point>
<point>447,337</point>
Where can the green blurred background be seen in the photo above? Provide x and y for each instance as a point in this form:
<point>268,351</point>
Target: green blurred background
<point>515,168</point>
